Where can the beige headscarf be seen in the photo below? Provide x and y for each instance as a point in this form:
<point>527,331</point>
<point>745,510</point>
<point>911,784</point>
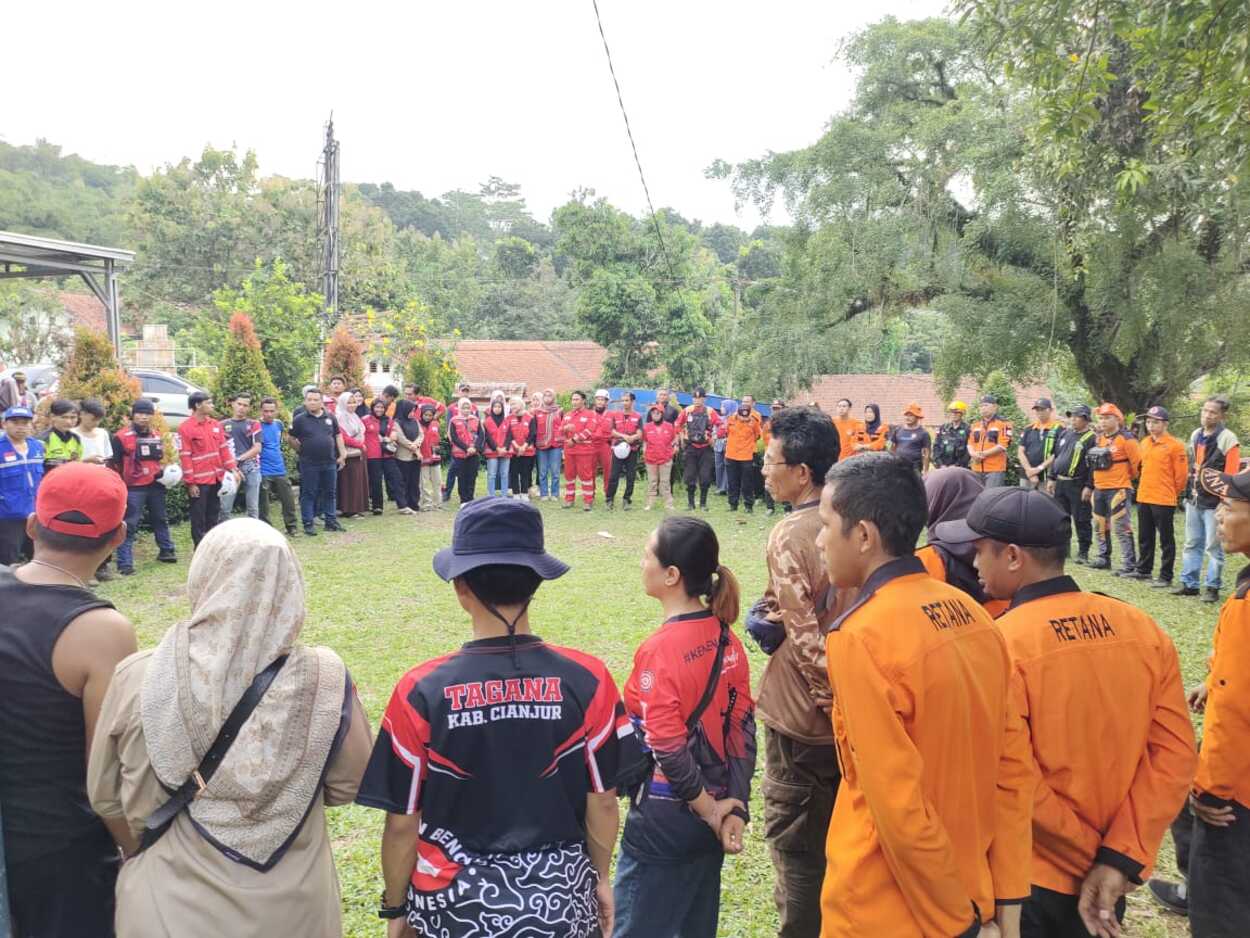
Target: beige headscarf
<point>247,609</point>
<point>349,423</point>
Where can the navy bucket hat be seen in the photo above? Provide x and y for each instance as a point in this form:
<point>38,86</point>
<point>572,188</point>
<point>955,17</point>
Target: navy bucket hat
<point>497,531</point>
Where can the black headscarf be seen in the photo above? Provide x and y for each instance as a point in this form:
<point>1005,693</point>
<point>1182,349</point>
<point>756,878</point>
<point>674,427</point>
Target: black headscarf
<point>872,426</point>
<point>384,422</point>
<point>950,493</point>
<point>403,417</point>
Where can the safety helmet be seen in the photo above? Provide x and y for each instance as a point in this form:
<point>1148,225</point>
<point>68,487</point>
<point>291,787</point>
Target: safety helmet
<point>171,476</point>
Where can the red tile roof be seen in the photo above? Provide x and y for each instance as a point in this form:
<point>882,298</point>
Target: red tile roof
<point>892,393</point>
<point>562,366</point>
<point>83,310</point>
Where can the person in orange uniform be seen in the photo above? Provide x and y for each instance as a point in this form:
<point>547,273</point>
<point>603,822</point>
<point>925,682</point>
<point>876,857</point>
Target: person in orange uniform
<point>1116,462</point>
<point>930,832</point>
<point>1164,472</point>
<point>1099,685</point>
<point>849,429</point>
<point>744,429</point>
<point>1219,874</point>
<point>988,441</point>
<point>872,437</point>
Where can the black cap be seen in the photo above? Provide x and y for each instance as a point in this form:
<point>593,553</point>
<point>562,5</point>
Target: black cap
<point>1158,413</point>
<point>142,406</point>
<point>1226,484</point>
<point>699,392</point>
<point>1081,410</point>
<point>989,399</point>
<point>497,530</point>
<point>1043,403</point>
<point>1014,516</point>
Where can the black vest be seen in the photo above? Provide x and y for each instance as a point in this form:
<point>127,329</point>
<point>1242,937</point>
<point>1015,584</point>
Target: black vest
<point>43,760</point>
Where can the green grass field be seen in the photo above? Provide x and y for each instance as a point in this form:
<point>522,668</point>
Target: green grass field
<point>373,597</point>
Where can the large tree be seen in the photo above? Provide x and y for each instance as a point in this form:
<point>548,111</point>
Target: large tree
<point>927,192</point>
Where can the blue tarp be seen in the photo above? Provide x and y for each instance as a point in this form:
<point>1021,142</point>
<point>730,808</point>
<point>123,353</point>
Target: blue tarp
<point>645,397</point>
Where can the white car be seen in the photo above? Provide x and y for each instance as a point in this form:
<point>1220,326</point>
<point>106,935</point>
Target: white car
<point>168,392</point>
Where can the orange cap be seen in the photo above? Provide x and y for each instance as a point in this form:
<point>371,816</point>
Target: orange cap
<point>913,409</point>
<point>1106,409</point>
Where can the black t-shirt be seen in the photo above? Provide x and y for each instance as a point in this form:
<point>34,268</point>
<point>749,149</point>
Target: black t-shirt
<point>1040,442</point>
<point>498,750</point>
<point>318,438</point>
<point>910,443</point>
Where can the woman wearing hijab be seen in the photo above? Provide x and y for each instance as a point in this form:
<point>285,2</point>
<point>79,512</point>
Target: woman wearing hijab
<point>408,455</point>
<point>873,437</point>
<point>497,446</point>
<point>250,855</point>
<point>950,493</point>
<point>353,481</point>
<point>380,448</point>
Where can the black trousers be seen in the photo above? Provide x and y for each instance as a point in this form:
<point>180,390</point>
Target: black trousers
<point>410,482</point>
<point>629,468</point>
<point>699,471</point>
<point>15,546</point>
<point>466,476</point>
<point>1050,914</point>
<point>740,480</point>
<point>1068,494</point>
<point>521,474</point>
<point>386,470</point>
<point>1152,519</point>
<point>1216,861</point>
<point>205,511</point>
<point>67,894</point>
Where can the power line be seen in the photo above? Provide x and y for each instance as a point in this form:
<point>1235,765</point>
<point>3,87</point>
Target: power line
<point>633,146</point>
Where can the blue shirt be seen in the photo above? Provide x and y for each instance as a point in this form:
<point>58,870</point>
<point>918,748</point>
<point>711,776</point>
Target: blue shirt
<point>19,478</point>
<point>271,461</point>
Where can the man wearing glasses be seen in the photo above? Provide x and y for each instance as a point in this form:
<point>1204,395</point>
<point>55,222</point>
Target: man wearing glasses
<point>801,767</point>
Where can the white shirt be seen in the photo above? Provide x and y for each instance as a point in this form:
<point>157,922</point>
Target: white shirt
<point>95,443</point>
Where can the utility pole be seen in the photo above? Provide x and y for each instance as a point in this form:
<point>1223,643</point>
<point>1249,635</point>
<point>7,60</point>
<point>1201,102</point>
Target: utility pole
<point>328,226</point>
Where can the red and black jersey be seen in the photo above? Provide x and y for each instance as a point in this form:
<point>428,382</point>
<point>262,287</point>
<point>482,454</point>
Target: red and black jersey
<point>628,424</point>
<point>498,758</point>
<point>671,671</point>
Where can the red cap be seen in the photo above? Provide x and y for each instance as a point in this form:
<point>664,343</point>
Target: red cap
<point>81,499</point>
<point>1109,410</point>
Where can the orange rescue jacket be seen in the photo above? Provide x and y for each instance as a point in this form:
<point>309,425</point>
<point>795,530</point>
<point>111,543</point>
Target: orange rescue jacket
<point>1125,461</point>
<point>1224,763</point>
<point>1164,471</point>
<point>1099,684</point>
<point>930,828</point>
<point>849,431</point>
<point>742,435</point>
<point>986,434</point>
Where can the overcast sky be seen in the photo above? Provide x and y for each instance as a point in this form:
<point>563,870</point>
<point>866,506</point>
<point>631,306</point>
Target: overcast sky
<point>439,96</point>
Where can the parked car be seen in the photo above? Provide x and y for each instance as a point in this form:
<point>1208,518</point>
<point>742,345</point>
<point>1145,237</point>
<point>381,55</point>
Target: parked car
<point>40,379</point>
<point>168,392</point>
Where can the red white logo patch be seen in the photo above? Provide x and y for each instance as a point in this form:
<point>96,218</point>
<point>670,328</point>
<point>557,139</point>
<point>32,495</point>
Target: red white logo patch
<point>646,681</point>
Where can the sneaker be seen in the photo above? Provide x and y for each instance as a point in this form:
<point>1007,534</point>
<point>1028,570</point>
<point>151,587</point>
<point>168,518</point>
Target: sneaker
<point>377,511</point>
<point>1081,560</point>
<point>567,505</point>
<point>733,507</point>
<point>126,571</point>
<point>704,507</point>
<point>104,574</point>
<point>611,506</point>
<point>625,505</point>
<point>310,530</point>
<point>167,556</point>
<point>1184,590</point>
<point>1132,575</point>
<point>335,527</point>
<point>1100,564</point>
<point>1210,595</point>
<point>588,508</point>
<point>750,509</point>
<point>1157,584</point>
<point>772,511</point>
<point>1172,896</point>
<point>292,531</point>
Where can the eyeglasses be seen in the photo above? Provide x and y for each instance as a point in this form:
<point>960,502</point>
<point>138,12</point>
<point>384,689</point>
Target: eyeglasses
<point>777,463</point>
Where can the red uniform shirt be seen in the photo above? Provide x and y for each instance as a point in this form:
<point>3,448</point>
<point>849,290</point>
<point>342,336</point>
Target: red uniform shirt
<point>521,431</point>
<point>659,438</point>
<point>579,429</point>
<point>496,436</point>
<point>429,443</point>
<point>603,428</point>
<point>373,438</point>
<point>204,450</point>
<point>141,456</point>
<point>465,432</point>
<point>548,434</point>
<point>628,424</point>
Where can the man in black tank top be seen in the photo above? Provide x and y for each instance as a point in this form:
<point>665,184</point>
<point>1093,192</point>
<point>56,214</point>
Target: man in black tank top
<point>59,644</point>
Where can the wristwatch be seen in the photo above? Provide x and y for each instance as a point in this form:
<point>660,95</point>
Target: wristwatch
<point>391,912</point>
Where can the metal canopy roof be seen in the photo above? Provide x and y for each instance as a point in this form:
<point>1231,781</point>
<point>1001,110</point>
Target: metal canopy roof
<point>41,258</point>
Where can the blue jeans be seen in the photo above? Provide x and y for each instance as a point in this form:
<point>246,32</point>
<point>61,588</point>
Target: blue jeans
<point>151,497</point>
<point>1201,535</point>
<point>549,461</point>
<point>317,490</point>
<point>250,487</point>
<point>497,476</point>
<point>660,900</point>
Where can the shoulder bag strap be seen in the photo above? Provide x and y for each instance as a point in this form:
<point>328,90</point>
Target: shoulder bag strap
<point>161,819</point>
<point>713,679</point>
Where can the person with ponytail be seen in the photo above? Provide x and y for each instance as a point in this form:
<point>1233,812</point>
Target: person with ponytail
<point>689,695</point>
<point>497,763</point>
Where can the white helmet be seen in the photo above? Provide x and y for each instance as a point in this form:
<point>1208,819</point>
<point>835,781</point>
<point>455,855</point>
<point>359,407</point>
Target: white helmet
<point>171,476</point>
<point>229,485</point>
<point>621,450</point>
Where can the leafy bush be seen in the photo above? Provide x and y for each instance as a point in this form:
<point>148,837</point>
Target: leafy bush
<point>344,356</point>
<point>92,370</point>
<point>242,369</point>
